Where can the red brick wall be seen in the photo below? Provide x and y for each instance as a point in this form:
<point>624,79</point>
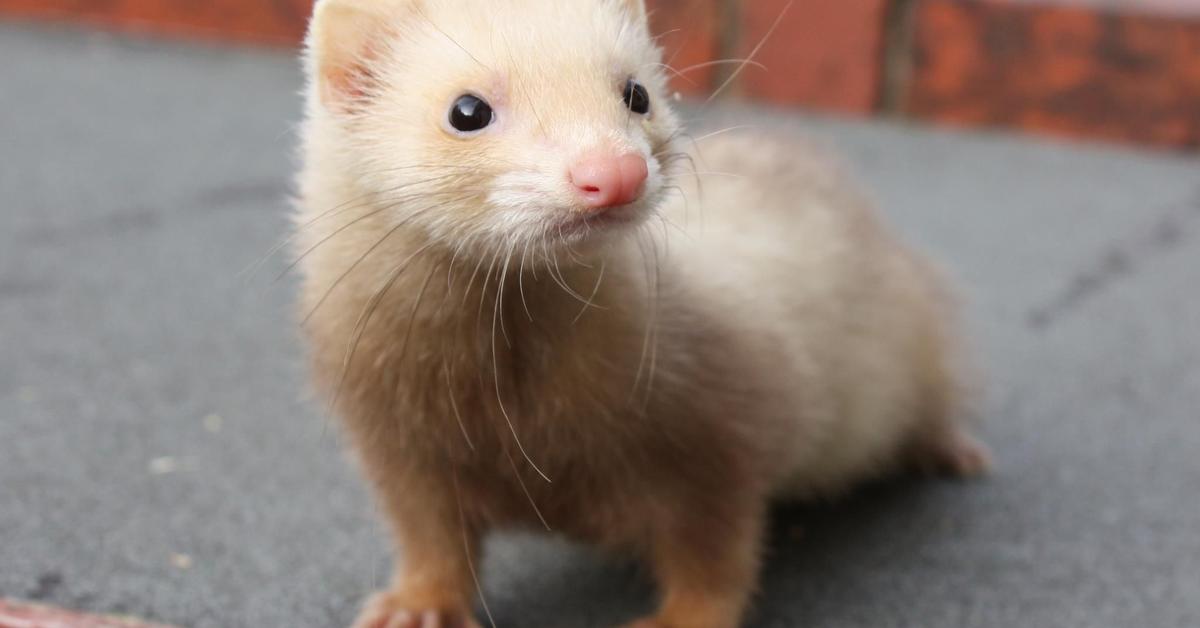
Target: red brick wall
<point>266,21</point>
<point>1124,70</point>
<point>824,53</point>
<point>1131,76</point>
<point>691,36</point>
<point>820,53</point>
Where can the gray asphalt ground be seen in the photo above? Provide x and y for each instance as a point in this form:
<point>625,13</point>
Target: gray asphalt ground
<point>158,454</point>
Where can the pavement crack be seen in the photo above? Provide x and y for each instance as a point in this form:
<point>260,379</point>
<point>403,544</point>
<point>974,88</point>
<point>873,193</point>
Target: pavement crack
<point>20,288</point>
<point>46,586</point>
<point>243,193</point>
<point>1118,261</point>
<point>115,224</point>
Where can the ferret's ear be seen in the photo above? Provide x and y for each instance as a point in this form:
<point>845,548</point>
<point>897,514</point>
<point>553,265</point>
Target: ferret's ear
<point>345,38</point>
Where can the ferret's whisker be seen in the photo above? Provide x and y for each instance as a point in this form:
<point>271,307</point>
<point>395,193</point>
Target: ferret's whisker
<point>654,325</point>
<point>487,278</point>
<point>676,73</point>
<point>563,282</point>
<point>550,272</point>
<point>557,269</point>
<point>666,234</point>
<point>595,291</point>
<point>670,160</point>
<point>471,281</point>
<point>360,326</point>
<point>389,205</point>
<point>665,33</point>
<point>520,87</point>
<point>367,253</point>
<point>737,127</point>
<point>382,194</point>
<point>674,55</point>
<point>686,212</point>
<point>677,133</point>
<point>709,64</point>
<point>704,173</point>
<point>733,76</point>
<point>570,249</point>
<point>500,401</point>
<point>521,281</point>
<point>412,318</point>
<point>464,166</point>
<point>557,278</point>
<point>646,335</point>
<point>699,182</point>
<point>452,40</point>
<point>296,262</point>
<point>525,489</point>
<point>500,296</point>
<point>575,259</point>
<point>467,551</point>
<point>450,271</point>
<point>354,203</point>
<point>252,270</point>
<point>454,404</point>
<point>546,261</point>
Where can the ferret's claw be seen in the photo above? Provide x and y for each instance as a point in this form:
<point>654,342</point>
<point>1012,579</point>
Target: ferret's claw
<point>385,611</point>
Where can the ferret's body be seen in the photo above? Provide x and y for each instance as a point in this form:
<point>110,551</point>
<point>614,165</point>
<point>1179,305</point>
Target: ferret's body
<point>850,335</point>
<point>636,387</point>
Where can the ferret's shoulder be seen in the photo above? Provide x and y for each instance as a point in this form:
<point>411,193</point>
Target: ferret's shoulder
<point>757,154</point>
<point>748,176</point>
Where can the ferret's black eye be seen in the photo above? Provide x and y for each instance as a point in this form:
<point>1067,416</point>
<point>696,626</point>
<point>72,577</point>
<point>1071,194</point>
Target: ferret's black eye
<point>470,114</point>
<point>636,97</point>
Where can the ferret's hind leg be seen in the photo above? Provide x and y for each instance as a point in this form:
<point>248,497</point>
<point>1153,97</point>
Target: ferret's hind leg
<point>948,449</point>
<point>942,443</point>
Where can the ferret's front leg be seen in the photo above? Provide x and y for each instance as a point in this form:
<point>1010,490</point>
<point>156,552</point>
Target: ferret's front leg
<point>433,585</point>
<point>706,564</point>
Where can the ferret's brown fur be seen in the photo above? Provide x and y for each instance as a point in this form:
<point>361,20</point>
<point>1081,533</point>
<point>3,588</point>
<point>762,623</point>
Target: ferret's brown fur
<point>637,388</point>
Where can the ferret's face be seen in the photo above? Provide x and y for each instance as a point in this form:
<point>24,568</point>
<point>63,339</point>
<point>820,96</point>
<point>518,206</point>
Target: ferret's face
<point>500,122</point>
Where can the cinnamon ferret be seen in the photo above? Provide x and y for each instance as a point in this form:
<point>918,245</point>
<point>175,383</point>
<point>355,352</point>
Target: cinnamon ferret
<point>535,301</point>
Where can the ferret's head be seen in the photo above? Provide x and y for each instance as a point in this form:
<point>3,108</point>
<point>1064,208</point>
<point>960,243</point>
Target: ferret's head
<point>495,122</point>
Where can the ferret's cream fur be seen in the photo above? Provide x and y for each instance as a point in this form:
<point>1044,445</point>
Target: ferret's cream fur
<point>753,334</point>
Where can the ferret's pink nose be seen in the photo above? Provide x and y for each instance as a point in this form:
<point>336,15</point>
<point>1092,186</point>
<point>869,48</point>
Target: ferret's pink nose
<point>605,180</point>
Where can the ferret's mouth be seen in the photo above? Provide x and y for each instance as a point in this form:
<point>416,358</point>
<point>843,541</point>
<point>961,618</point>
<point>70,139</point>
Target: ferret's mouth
<point>582,223</point>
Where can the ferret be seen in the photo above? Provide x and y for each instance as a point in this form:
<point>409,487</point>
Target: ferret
<point>536,302</point>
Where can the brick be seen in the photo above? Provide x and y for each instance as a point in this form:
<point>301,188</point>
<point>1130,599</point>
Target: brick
<point>274,22</point>
<point>825,54</point>
<point>1062,70</point>
<point>689,33</point>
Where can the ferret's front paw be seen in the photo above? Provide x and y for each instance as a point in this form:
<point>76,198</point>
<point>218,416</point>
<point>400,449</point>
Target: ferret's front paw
<point>391,610</point>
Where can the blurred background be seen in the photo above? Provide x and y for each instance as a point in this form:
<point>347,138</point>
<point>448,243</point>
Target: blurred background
<point>1122,70</point>
<point>160,456</point>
